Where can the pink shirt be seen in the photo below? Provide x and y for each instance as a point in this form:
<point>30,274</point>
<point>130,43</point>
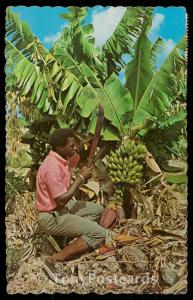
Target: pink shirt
<point>53,180</point>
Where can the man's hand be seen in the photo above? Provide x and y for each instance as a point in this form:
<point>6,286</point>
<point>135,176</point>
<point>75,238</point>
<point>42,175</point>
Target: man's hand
<point>86,172</point>
<point>63,199</point>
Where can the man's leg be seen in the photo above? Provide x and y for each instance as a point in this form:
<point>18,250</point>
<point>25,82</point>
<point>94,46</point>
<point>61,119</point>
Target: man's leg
<point>94,212</point>
<point>90,233</point>
<point>91,211</point>
<point>76,247</point>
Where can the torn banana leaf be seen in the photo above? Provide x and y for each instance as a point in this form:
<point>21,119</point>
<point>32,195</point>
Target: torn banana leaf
<point>180,178</point>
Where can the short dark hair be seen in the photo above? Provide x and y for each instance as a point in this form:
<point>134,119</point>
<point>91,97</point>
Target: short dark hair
<point>60,137</point>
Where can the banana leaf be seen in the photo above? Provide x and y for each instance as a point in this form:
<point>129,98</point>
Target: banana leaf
<point>19,34</point>
<point>158,95</point>
<point>115,99</point>
<point>126,32</point>
<point>65,59</point>
<point>156,49</point>
<point>139,72</point>
<point>177,179</point>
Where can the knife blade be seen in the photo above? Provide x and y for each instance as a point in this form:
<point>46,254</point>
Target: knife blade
<point>95,140</point>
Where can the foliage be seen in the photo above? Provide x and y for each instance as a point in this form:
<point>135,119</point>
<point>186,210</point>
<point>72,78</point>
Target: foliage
<point>153,93</point>
<point>156,48</point>
<point>69,81</point>
<point>124,37</point>
<point>62,88</point>
<point>14,184</point>
<point>16,156</point>
<point>181,178</point>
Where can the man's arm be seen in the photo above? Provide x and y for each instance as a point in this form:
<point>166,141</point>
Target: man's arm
<point>62,200</point>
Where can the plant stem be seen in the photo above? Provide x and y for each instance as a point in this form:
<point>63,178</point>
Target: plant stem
<point>53,242</point>
<point>152,179</point>
<point>174,152</point>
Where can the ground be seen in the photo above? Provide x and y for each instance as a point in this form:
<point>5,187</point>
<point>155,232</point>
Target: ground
<point>155,263</point>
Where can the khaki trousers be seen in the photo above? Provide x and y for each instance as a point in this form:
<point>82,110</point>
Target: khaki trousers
<point>80,221</point>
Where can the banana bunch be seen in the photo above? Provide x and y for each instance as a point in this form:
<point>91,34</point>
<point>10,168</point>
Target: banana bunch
<point>118,195</point>
<point>125,163</point>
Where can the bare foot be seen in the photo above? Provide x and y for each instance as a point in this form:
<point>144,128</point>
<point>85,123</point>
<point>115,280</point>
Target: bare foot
<point>51,258</point>
<point>56,257</point>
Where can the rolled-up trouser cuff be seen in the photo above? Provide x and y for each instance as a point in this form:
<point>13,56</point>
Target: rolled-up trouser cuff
<point>95,240</point>
<point>108,238</point>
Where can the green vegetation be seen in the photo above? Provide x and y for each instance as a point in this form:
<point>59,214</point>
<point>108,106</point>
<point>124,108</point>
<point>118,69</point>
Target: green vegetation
<point>63,87</point>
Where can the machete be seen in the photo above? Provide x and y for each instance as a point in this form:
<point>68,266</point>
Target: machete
<point>99,126</point>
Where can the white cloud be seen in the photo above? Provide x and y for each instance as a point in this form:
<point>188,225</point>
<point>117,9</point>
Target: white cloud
<point>97,9</point>
<point>51,38</point>
<point>157,21</point>
<point>169,45</point>
<point>105,22</point>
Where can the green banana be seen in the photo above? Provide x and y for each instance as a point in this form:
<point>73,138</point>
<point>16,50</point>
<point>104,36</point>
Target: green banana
<point>119,173</point>
<point>130,159</point>
<point>121,160</point>
<point>125,174</point>
<point>122,149</point>
<point>134,163</point>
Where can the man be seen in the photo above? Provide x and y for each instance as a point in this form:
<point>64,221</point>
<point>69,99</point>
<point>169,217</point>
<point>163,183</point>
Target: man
<point>58,212</point>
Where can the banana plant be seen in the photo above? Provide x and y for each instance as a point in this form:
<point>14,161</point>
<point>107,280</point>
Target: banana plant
<point>152,92</point>
<point>125,35</point>
<point>54,88</point>
<point>60,82</point>
<point>156,49</point>
<point>77,39</point>
<point>87,95</point>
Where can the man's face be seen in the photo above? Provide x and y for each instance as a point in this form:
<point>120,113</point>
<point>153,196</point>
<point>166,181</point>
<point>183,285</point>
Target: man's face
<point>69,149</point>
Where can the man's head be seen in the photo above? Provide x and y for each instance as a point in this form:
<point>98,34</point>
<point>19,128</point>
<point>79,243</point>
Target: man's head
<point>63,141</point>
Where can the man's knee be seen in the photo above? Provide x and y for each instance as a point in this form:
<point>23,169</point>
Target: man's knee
<point>97,209</point>
<point>96,235</point>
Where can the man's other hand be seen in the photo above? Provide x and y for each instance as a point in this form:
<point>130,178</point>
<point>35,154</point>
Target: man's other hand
<point>86,172</point>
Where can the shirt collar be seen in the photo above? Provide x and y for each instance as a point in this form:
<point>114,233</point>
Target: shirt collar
<point>59,158</point>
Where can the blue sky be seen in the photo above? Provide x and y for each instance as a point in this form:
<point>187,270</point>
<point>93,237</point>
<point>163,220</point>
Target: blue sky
<point>45,22</point>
